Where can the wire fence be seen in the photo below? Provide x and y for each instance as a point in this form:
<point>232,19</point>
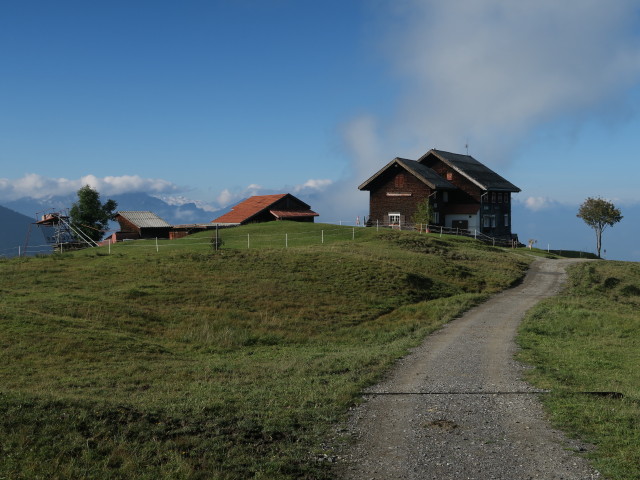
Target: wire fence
<point>228,238</point>
<point>220,239</point>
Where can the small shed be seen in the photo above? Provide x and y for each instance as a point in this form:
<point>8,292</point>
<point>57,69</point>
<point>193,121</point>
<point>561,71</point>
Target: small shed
<point>266,208</point>
<point>140,224</point>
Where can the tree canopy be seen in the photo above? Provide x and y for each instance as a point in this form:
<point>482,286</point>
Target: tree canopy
<point>89,215</point>
<point>599,214</point>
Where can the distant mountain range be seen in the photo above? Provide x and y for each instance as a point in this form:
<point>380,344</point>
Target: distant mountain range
<point>15,230</point>
<point>175,210</point>
<point>17,216</point>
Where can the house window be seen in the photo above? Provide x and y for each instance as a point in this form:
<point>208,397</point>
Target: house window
<point>493,197</point>
<point>506,197</point>
<point>436,218</point>
<point>499,198</point>
<point>449,176</point>
<point>394,219</point>
<point>506,219</point>
<point>445,196</point>
<point>489,221</point>
<point>399,180</point>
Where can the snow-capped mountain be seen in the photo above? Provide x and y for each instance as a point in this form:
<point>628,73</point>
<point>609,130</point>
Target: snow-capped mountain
<point>175,210</point>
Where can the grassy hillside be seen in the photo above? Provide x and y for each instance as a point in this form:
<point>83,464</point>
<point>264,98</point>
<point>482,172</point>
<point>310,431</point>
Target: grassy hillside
<point>179,362</point>
<point>585,344</point>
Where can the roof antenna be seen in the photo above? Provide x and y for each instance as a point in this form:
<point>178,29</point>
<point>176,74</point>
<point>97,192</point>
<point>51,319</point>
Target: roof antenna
<point>466,145</point>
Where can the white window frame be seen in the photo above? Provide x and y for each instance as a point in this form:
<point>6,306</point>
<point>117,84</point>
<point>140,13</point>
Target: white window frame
<point>394,218</point>
<point>436,218</point>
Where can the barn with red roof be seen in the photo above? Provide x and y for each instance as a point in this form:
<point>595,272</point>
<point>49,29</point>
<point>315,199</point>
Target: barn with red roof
<point>266,208</point>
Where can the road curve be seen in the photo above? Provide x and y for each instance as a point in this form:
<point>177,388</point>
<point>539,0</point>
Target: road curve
<point>456,407</point>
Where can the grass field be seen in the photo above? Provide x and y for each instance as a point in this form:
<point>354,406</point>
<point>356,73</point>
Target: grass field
<point>177,361</point>
<point>585,345</point>
<point>170,360</point>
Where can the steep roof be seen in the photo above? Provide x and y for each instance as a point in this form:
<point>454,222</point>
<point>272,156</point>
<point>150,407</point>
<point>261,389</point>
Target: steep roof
<point>420,171</point>
<point>144,219</point>
<point>252,206</point>
<point>472,169</point>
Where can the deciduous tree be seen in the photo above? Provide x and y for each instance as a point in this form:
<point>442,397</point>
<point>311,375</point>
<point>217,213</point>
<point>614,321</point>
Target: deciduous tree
<point>91,216</point>
<point>423,214</point>
<point>599,214</point>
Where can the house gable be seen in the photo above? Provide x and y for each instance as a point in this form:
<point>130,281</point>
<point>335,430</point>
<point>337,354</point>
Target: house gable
<point>399,187</point>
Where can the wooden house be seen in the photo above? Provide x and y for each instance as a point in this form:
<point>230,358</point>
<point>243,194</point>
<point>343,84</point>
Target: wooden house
<point>140,224</point>
<point>266,208</point>
<point>464,194</point>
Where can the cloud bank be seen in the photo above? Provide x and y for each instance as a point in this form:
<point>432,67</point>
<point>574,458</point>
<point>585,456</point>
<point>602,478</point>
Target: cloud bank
<point>488,73</point>
<point>38,186</point>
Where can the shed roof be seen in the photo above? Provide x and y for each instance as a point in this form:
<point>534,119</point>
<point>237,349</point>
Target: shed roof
<point>282,214</point>
<point>472,169</point>
<point>420,171</point>
<point>144,219</point>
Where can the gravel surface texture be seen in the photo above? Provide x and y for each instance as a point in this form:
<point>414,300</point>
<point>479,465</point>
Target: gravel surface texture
<point>456,407</point>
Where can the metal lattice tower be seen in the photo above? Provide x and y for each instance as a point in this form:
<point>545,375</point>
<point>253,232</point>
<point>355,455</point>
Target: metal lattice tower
<point>63,235</point>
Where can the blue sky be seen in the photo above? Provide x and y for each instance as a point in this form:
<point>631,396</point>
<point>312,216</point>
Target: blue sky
<point>217,100</point>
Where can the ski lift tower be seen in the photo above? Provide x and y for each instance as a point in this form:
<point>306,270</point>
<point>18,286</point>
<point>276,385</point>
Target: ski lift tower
<point>64,236</point>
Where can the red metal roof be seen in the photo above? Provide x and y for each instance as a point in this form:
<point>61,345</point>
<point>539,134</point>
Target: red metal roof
<point>252,206</point>
<point>248,208</point>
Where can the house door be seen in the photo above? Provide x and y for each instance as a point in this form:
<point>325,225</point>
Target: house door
<point>460,224</point>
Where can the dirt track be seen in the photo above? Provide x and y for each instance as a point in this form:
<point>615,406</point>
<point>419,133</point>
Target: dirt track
<point>455,408</point>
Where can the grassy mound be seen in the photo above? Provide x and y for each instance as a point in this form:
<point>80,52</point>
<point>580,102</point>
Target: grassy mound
<point>173,360</point>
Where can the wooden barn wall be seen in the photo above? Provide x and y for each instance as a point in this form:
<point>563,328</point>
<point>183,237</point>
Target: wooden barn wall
<point>380,204</point>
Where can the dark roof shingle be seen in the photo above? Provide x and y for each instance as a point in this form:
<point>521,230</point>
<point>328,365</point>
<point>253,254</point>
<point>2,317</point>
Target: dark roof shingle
<point>475,171</point>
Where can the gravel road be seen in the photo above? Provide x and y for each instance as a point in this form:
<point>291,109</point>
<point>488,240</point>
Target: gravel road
<point>456,407</point>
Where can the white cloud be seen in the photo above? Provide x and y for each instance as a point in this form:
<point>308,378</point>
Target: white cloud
<point>314,185</point>
<point>229,197</point>
<point>38,186</point>
<point>490,72</point>
<point>538,203</point>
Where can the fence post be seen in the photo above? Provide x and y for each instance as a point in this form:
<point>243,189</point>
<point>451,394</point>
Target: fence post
<point>353,234</point>
<point>322,236</point>
<point>248,241</point>
<point>286,240</point>
<point>157,249</point>
<point>19,252</point>
<point>109,246</point>
<point>377,225</point>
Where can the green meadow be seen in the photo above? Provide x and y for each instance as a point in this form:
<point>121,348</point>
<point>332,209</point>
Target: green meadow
<point>585,345</point>
<point>174,360</point>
